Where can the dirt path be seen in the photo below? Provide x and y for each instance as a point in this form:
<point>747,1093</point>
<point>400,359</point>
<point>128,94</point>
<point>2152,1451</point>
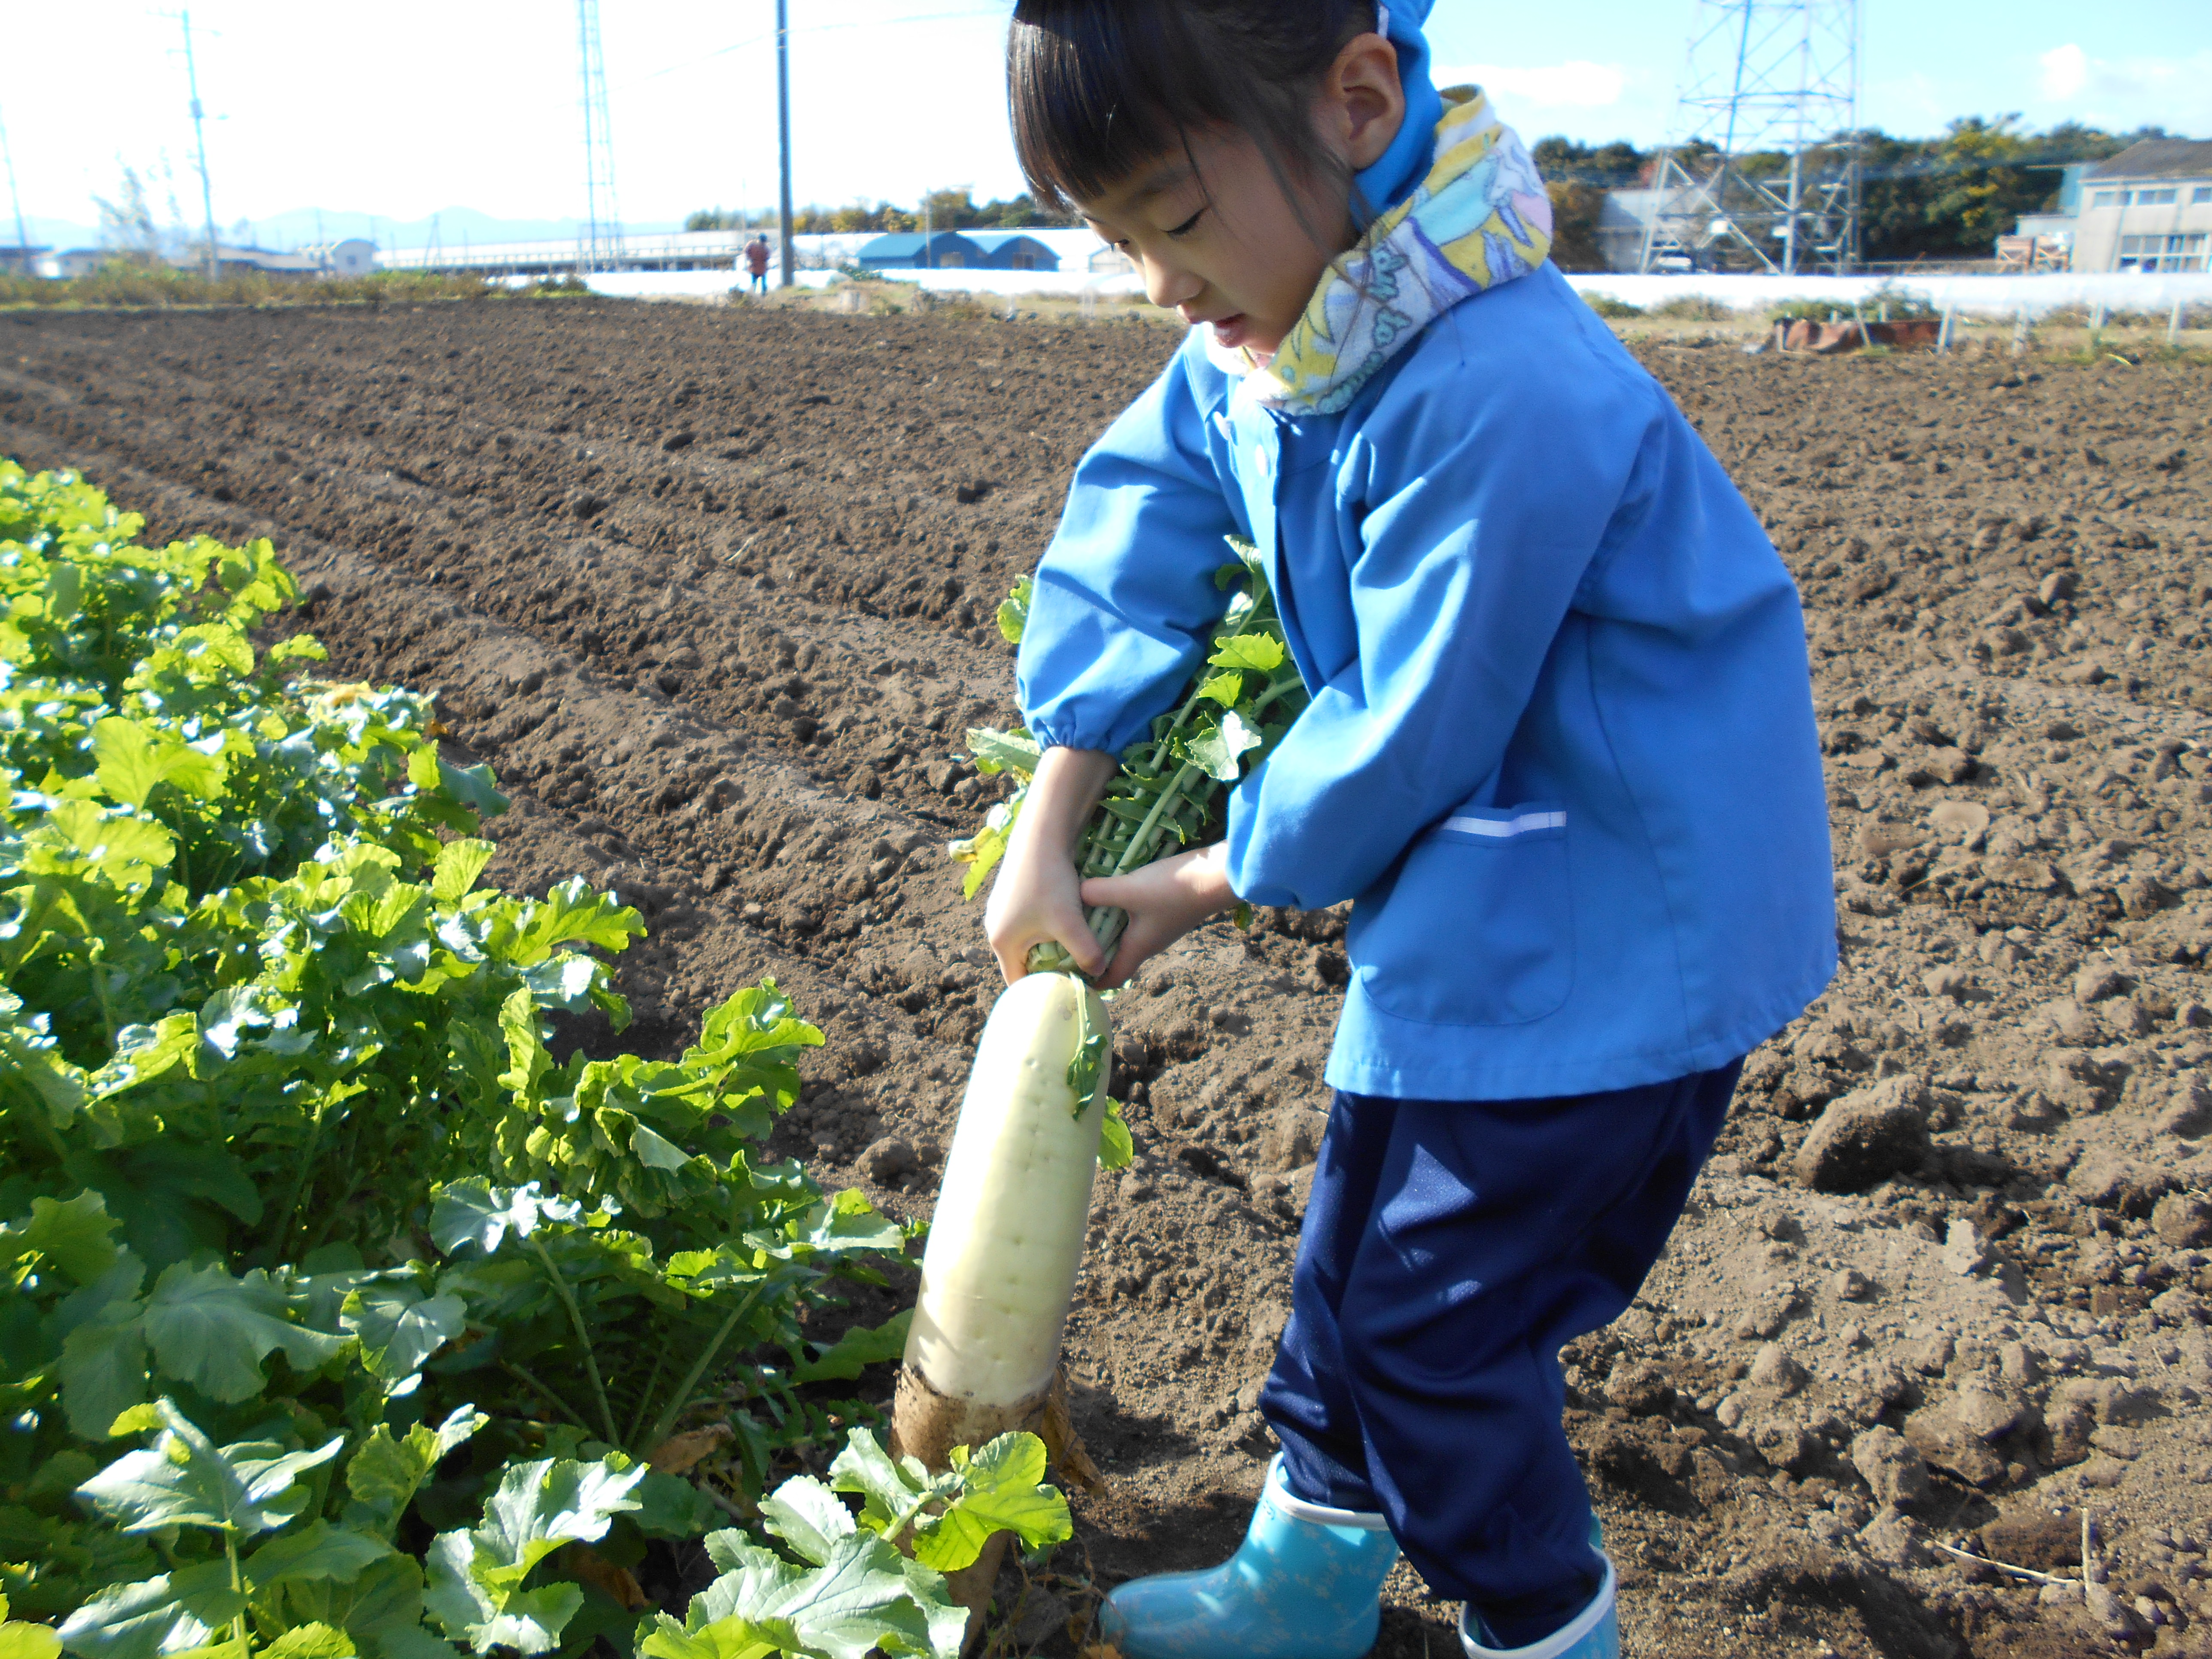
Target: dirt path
<point>712,591</point>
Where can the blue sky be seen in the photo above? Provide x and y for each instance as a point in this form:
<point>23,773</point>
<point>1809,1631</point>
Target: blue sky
<point>409,107</point>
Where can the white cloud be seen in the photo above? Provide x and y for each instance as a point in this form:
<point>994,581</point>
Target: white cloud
<point>2171,92</point>
<point>2065,71</point>
<point>1578,84</point>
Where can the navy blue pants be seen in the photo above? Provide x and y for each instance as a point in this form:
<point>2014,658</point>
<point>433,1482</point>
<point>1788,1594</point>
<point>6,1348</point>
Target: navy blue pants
<point>1449,1249</point>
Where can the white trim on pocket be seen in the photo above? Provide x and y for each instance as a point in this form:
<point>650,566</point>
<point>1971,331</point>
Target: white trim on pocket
<point>1503,829</point>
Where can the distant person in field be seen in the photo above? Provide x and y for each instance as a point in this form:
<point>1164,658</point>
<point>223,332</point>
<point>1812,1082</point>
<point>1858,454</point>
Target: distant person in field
<point>1560,754</point>
<point>757,263</point>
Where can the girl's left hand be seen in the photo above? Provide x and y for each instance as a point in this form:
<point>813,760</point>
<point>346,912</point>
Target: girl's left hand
<point>1165,900</point>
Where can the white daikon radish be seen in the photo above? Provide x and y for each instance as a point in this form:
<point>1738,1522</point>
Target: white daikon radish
<point>1007,1240</point>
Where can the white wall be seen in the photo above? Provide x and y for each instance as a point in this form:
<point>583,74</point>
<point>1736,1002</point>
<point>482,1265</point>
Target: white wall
<point>1974,296</point>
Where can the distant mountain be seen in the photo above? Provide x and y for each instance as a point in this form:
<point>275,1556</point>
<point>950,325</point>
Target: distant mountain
<point>448,227</point>
<point>50,233</point>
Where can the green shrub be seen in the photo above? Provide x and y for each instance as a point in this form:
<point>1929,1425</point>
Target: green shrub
<point>128,283</point>
<point>293,1184</point>
<point>1693,308</point>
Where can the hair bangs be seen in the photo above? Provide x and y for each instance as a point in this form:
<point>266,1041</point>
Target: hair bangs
<point>1095,91</point>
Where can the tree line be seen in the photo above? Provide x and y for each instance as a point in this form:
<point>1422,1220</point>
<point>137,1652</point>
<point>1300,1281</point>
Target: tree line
<point>941,209</point>
<point>1947,197</point>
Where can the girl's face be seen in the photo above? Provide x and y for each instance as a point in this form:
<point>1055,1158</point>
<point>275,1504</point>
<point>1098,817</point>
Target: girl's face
<point>1223,239</point>
<point>1221,243</point>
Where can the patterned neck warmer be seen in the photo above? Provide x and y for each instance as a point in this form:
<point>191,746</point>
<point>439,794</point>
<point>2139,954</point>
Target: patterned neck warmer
<point>1479,218</point>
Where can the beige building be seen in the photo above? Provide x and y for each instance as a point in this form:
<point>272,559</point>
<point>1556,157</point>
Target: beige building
<point>2147,209</point>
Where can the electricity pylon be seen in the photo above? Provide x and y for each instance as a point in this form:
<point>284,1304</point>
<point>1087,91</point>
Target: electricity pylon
<point>1762,168</point>
<point>599,247</point>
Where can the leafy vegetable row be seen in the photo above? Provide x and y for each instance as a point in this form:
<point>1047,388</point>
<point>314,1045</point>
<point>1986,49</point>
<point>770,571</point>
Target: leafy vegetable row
<point>428,1335</point>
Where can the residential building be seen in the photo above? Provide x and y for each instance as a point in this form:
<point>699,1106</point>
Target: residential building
<point>2148,208</point>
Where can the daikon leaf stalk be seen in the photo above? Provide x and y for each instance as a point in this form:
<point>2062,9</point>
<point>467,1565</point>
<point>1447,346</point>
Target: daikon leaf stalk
<point>1169,790</point>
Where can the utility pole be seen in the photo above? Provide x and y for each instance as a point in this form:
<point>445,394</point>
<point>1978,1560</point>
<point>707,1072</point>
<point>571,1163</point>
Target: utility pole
<point>22,236</point>
<point>199,141</point>
<point>783,134</point>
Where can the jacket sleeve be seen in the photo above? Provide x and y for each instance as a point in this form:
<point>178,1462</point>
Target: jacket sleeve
<point>1125,595</point>
<point>1463,571</point>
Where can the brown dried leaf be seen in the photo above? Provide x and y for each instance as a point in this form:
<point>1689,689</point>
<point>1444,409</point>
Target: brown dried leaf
<point>680,1453</point>
<point>587,1566</point>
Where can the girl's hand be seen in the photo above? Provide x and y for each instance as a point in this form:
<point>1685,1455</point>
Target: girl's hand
<point>1035,898</point>
<point>1165,900</point>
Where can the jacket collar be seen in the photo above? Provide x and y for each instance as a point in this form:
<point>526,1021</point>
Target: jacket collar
<point>1479,219</point>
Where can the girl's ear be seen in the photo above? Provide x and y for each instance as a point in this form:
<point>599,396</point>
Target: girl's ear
<point>1363,101</point>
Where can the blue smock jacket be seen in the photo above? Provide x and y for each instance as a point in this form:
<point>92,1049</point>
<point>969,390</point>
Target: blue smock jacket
<point>1561,747</point>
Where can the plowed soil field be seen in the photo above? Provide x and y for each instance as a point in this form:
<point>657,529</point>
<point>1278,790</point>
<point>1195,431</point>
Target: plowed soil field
<point>712,591</point>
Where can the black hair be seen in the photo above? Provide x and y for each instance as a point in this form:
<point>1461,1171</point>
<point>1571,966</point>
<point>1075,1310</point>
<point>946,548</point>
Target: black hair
<point>1098,88</point>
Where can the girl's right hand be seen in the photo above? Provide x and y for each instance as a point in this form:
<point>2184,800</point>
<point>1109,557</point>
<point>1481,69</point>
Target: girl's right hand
<point>1038,896</point>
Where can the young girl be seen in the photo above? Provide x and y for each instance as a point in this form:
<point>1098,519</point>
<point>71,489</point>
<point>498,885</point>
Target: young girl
<point>1560,752</point>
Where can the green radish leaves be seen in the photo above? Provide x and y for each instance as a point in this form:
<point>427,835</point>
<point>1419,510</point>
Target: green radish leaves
<point>1220,753</point>
<point>946,1518</point>
<point>186,1480</point>
<point>475,1590</point>
<point>1116,1149</point>
<point>386,1471</point>
<point>851,1593</point>
<point>19,1640</point>
<point>299,1200</point>
<point>994,752</point>
<point>1088,1067</point>
<point>853,1352</point>
<point>1168,792</point>
<point>1258,653</point>
<point>997,752</point>
<point>1014,610</point>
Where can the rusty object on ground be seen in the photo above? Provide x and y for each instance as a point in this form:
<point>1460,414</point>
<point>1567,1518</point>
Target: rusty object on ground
<point>1830,339</point>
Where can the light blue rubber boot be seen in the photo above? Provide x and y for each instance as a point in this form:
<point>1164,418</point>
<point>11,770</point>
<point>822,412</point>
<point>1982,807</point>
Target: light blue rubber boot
<point>1306,1583</point>
<point>1593,1634</point>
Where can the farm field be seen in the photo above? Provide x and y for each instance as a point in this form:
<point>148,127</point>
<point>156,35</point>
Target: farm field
<point>712,591</point>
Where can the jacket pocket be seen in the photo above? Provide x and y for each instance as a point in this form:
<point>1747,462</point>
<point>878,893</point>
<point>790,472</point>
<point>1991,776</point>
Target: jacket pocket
<point>1478,928</point>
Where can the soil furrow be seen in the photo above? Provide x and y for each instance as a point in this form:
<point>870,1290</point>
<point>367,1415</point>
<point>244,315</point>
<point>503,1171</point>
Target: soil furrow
<point>712,590</point>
